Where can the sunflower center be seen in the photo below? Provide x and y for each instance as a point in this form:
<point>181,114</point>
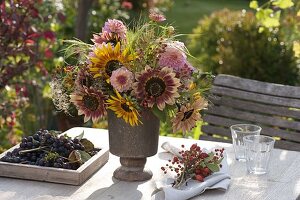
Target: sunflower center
<point>122,79</point>
<point>125,107</point>
<point>155,87</point>
<point>187,115</point>
<point>112,66</point>
<point>90,102</point>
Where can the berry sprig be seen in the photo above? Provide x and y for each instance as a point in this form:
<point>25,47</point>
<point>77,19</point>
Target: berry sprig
<point>194,163</point>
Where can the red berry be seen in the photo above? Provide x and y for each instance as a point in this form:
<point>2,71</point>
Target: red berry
<point>199,178</point>
<point>203,155</point>
<point>194,146</point>
<point>206,170</point>
<point>175,159</point>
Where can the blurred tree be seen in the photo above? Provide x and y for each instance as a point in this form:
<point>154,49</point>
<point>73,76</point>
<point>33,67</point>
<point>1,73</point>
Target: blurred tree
<point>82,18</point>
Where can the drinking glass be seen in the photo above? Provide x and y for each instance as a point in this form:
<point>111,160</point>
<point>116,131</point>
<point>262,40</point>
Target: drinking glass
<point>258,153</point>
<point>238,131</point>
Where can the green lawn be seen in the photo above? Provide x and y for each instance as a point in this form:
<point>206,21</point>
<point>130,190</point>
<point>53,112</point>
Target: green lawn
<point>185,14</point>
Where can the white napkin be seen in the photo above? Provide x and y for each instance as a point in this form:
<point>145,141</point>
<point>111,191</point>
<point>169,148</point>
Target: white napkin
<point>219,180</point>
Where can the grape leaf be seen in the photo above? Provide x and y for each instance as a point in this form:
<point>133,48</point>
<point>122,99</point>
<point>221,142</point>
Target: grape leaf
<point>213,167</point>
<point>84,156</point>
<point>54,132</point>
<point>80,136</point>
<point>75,156</point>
<point>88,145</point>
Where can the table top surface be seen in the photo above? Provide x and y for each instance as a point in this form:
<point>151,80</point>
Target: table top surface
<point>282,182</point>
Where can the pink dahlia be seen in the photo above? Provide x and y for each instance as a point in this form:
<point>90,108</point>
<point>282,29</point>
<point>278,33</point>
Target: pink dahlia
<point>121,79</point>
<point>106,37</point>
<point>173,56</point>
<point>186,70</point>
<point>115,26</point>
<point>156,16</point>
<point>90,103</point>
<point>156,86</point>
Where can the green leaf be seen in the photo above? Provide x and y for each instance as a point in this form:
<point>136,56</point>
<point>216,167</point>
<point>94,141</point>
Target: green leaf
<point>261,29</point>
<point>54,132</point>
<point>160,114</point>
<point>84,156</point>
<point>88,145</point>
<point>47,91</point>
<point>219,161</point>
<point>253,4</point>
<point>80,136</point>
<point>283,4</point>
<point>209,158</point>
<point>213,167</point>
<point>75,157</point>
<point>272,21</point>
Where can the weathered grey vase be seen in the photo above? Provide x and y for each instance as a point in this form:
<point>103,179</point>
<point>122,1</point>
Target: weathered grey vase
<point>133,145</point>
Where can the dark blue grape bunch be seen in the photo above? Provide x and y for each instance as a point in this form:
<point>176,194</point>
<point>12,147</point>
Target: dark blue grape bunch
<point>45,148</point>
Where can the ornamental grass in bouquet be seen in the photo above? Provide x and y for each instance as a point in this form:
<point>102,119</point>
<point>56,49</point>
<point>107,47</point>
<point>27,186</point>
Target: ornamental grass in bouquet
<point>129,70</point>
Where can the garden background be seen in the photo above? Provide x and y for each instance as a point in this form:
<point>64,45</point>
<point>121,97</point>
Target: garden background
<point>224,36</point>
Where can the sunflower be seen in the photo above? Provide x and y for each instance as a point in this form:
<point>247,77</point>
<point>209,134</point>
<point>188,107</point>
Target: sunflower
<point>90,103</point>
<point>84,78</point>
<point>105,59</point>
<point>124,107</point>
<point>188,115</point>
<point>157,86</point>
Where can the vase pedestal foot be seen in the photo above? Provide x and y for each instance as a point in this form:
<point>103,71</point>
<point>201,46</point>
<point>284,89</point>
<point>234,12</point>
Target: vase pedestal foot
<point>132,169</point>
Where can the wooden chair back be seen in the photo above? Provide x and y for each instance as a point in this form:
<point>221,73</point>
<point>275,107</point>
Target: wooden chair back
<point>274,107</point>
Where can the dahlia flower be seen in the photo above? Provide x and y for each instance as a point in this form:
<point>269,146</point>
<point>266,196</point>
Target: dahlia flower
<point>121,79</point>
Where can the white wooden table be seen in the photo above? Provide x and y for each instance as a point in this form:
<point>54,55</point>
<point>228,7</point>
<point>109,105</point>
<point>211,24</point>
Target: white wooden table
<point>282,183</point>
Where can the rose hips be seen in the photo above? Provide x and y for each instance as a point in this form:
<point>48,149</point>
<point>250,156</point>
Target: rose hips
<point>199,178</point>
<point>175,159</point>
<point>203,155</point>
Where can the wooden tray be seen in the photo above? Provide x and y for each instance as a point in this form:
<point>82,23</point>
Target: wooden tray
<point>55,175</point>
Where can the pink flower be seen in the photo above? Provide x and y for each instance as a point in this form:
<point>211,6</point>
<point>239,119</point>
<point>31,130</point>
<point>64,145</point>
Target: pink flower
<point>186,71</point>
<point>106,37</point>
<point>173,56</point>
<point>157,17</point>
<point>127,5</point>
<point>121,79</point>
<point>116,27</point>
<point>49,35</point>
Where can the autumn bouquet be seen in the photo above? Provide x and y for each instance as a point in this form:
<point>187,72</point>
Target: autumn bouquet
<point>127,70</point>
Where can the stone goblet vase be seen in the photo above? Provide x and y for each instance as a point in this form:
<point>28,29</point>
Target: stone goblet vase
<point>133,144</point>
